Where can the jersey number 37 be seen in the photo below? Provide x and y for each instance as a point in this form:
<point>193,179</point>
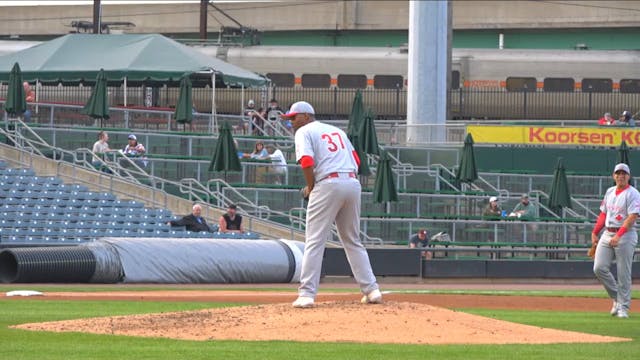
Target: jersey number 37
<point>332,141</point>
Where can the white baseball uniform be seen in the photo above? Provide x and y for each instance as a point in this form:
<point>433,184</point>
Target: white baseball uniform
<point>617,208</point>
<point>335,197</point>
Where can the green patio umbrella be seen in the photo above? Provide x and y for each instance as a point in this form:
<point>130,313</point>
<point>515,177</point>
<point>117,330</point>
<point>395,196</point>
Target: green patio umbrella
<point>623,157</point>
<point>184,107</point>
<point>623,153</point>
<point>384,189</point>
<point>467,171</point>
<point>16,104</point>
<point>356,116</point>
<point>559,196</point>
<point>225,157</point>
<point>98,105</point>
<point>363,169</point>
<point>367,137</point>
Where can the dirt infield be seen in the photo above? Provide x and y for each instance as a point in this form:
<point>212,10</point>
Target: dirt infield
<point>333,321</point>
<point>271,297</point>
<point>339,317</point>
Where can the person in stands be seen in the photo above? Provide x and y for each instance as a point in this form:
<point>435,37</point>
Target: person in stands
<point>231,221</point>
<point>193,222</point>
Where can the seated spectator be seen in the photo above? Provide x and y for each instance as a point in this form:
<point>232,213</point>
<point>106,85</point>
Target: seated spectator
<point>626,119</point>
<point>193,222</point>
<point>135,150</point>
<point>259,152</point>
<point>492,210</point>
<point>525,209</point>
<point>607,119</point>
<point>273,115</point>
<point>279,163</point>
<point>30,96</point>
<point>420,239</point>
<point>100,147</point>
<point>231,221</point>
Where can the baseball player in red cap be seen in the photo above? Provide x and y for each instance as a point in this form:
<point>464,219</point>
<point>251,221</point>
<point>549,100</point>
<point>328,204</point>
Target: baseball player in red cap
<point>618,213</point>
<point>330,167</point>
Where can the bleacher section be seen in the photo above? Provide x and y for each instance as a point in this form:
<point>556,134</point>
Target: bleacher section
<point>43,210</point>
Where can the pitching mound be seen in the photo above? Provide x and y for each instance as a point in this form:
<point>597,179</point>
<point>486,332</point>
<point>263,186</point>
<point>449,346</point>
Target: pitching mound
<point>335,321</point>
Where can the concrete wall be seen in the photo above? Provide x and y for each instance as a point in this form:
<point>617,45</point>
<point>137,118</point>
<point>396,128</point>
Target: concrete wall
<point>324,15</point>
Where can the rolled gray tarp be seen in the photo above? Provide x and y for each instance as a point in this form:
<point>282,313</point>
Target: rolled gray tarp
<point>152,260</point>
<point>184,261</point>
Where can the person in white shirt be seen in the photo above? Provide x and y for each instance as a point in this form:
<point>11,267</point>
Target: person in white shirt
<point>100,147</point>
<point>279,163</point>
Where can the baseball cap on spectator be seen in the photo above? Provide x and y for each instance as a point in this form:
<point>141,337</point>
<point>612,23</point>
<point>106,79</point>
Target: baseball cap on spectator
<point>132,137</point>
<point>422,232</point>
<point>301,107</point>
<point>622,166</point>
<point>493,198</point>
<point>524,196</point>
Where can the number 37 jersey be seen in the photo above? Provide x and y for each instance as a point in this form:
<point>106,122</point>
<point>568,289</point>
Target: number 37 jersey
<point>329,147</point>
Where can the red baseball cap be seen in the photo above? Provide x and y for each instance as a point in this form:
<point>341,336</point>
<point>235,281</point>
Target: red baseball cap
<point>301,107</point>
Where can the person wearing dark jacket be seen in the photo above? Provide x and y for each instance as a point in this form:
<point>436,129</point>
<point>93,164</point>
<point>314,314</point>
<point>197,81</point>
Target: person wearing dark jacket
<point>193,222</point>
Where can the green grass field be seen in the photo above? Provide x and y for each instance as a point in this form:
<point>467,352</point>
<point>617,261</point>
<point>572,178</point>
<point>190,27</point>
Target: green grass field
<point>19,344</point>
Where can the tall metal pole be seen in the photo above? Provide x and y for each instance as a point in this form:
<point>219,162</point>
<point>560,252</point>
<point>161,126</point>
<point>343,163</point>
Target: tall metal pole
<point>429,70</point>
<point>203,19</point>
<point>97,7</point>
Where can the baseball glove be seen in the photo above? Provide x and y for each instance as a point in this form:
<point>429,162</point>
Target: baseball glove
<point>592,251</point>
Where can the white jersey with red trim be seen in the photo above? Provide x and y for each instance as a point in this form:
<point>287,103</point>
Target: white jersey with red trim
<point>618,207</point>
<point>329,147</point>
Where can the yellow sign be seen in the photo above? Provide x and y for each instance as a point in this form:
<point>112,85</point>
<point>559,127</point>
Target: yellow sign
<point>546,135</point>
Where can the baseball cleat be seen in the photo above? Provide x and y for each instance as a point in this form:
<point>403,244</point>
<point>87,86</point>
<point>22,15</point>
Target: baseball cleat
<point>374,297</point>
<point>622,314</point>
<point>303,302</point>
<point>614,309</point>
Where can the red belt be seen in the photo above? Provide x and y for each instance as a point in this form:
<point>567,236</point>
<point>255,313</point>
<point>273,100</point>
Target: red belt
<point>336,174</point>
<point>613,230</point>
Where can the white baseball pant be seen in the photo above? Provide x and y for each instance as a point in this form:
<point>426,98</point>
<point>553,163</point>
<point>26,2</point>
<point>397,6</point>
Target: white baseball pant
<point>619,290</point>
<point>334,199</point>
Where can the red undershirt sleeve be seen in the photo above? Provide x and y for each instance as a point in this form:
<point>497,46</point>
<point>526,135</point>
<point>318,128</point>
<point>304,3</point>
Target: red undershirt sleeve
<point>356,157</point>
<point>306,161</point>
<point>599,223</point>
<point>621,231</point>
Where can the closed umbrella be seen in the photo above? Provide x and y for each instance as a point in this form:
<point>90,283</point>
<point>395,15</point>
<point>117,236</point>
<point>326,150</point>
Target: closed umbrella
<point>623,157</point>
<point>467,170</point>
<point>356,116</point>
<point>184,107</point>
<point>98,105</point>
<point>225,157</point>
<point>363,169</point>
<point>16,104</point>
<point>384,189</point>
<point>367,135</point>
<point>559,196</point>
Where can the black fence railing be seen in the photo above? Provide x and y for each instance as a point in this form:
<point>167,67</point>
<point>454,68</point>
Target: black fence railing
<point>335,103</point>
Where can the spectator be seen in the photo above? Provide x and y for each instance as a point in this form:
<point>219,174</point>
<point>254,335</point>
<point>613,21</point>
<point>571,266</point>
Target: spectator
<point>525,209</point>
<point>193,222</point>
<point>273,114</point>
<point>279,163</point>
<point>607,119</point>
<point>135,150</point>
<point>100,147</point>
<point>421,239</point>
<point>492,210</point>
<point>30,96</point>
<point>626,119</point>
<point>231,221</point>
<point>259,152</point>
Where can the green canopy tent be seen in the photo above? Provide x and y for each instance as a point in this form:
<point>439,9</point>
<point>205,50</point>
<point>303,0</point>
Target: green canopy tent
<point>559,196</point>
<point>184,107</point>
<point>467,169</point>
<point>125,57</point>
<point>225,157</point>
<point>384,189</point>
<point>16,103</point>
<point>98,105</point>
